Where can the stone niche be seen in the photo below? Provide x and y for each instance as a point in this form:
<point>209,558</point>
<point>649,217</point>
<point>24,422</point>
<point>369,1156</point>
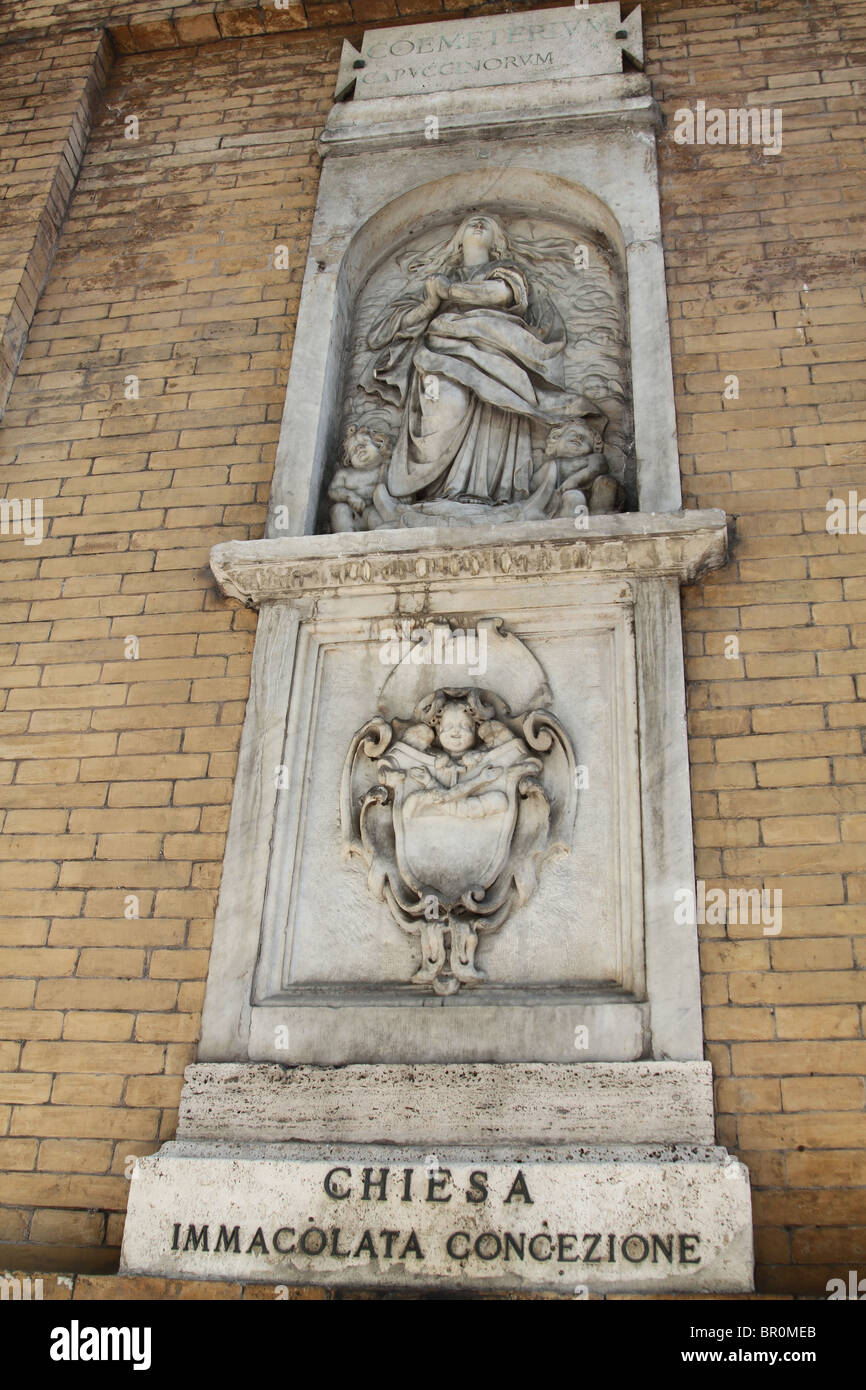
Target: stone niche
<point>452,1032</point>
<point>417,363</point>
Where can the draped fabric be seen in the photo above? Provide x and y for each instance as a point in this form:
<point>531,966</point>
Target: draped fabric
<point>495,370</point>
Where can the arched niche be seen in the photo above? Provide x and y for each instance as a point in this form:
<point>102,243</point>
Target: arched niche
<point>576,257</point>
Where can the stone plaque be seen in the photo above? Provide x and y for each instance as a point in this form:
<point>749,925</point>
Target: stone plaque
<point>574,1220</point>
<point>578,41</point>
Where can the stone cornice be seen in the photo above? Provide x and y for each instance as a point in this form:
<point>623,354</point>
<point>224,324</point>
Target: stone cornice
<point>554,106</point>
<point>682,544</point>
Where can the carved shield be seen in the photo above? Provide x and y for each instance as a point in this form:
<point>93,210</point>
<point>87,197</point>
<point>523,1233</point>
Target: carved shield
<point>452,841</point>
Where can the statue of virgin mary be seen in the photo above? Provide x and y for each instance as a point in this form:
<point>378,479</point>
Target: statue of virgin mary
<point>473,355</point>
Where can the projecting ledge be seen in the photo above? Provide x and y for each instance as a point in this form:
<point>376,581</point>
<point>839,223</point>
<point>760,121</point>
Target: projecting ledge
<point>484,1103</point>
<point>683,545</point>
<point>559,106</point>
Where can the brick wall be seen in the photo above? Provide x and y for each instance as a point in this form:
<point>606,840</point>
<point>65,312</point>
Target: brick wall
<point>116,773</point>
<point>49,90</point>
<point>765,271</point>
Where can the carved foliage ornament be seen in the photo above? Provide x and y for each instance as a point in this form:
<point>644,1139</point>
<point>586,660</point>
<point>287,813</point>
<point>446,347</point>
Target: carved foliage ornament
<point>454,811</point>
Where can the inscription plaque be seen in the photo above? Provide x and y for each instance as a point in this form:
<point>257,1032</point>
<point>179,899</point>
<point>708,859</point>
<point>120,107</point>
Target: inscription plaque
<point>564,1219</point>
<point>577,41</point>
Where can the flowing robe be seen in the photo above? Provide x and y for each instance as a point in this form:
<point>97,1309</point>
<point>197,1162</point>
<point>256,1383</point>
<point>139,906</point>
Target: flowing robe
<point>470,439</point>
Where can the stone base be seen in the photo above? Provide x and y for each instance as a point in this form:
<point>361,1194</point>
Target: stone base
<point>582,1179</point>
<point>432,1104</point>
<point>626,1218</point>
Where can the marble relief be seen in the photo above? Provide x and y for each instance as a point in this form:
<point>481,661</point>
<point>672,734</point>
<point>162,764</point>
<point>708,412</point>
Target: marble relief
<point>455,808</point>
<point>487,381</point>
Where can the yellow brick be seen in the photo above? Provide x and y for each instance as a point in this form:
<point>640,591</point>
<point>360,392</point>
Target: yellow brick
<point>736,956</point>
<point>74,1155</point>
<point>190,997</point>
<point>128,1058</point>
<point>832,954</point>
<point>177,1057</point>
<point>830,1022</point>
<point>799,1059</point>
<point>37,962</point>
<point>106,931</point>
<point>36,822</point>
<point>129,846</point>
<point>16,993</point>
<point>108,903</point>
<point>194,847</point>
<point>800,718</point>
<point>67,1227</point>
<point>824,1131</point>
<point>838,1168</point>
<point>132,874</point>
<point>126,794</point>
<point>179,965</point>
<point>29,1023</point>
<point>91,1121</point>
<point>50,1189</point>
<point>108,994</point>
<point>97,1027</point>
<point>117,962</point>
<point>796,987</point>
<point>24,1088</point>
<point>168,1028</point>
<point>800,830</point>
<point>150,768</point>
<point>714,990</point>
<point>748,1094</point>
<point>823,1093</point>
<point>118,822</point>
<point>729,1023</point>
<point>726,832</point>
<point>13,1229</point>
<point>17,1155</point>
<point>163,1091</point>
<point>87,1090</point>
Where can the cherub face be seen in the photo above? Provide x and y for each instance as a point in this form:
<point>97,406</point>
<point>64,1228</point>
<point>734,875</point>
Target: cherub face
<point>363,448</point>
<point>571,441</point>
<point>456,728</point>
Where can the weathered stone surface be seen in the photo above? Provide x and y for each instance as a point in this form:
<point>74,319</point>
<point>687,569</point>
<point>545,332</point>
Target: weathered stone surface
<point>631,1218</point>
<point>576,156</point>
<point>488,380</point>
<point>684,545</point>
<point>481,52</point>
<point>483,1103</point>
<point>453,816</point>
<point>546,108</point>
<point>307,967</point>
<point>477,1027</point>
